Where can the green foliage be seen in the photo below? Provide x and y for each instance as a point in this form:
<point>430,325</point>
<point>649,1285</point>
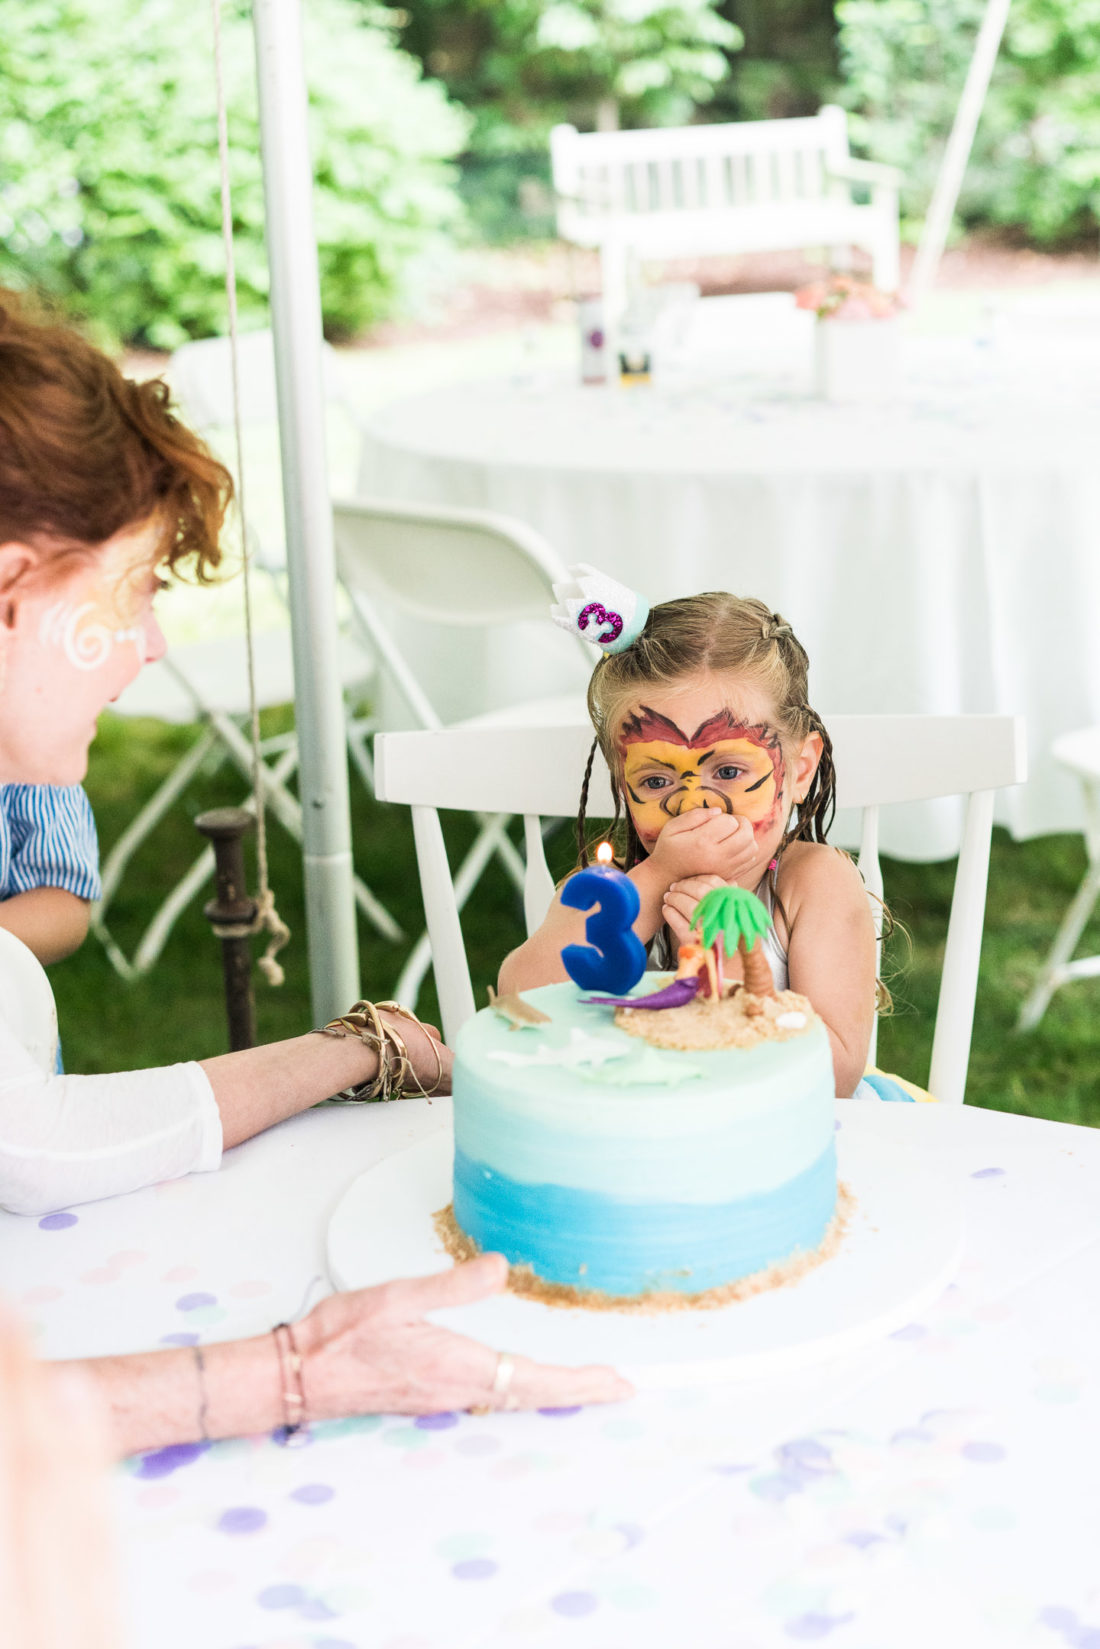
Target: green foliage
<point>522,65</point>
<point>109,178</point>
<point>787,65</point>
<point>1036,160</point>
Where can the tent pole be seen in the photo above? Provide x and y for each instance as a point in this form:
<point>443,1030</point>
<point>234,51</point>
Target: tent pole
<point>311,567</point>
<point>946,193</point>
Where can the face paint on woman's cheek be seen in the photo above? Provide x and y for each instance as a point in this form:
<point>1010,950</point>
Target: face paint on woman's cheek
<point>87,632</point>
<point>667,772</point>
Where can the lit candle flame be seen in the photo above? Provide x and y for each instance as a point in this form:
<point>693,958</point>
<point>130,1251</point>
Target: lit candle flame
<point>605,853</point>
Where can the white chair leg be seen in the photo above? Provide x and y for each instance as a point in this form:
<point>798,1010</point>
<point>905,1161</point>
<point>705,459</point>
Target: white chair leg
<point>466,878</point>
<point>1053,971</point>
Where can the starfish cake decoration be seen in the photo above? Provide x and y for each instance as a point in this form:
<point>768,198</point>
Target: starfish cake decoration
<point>521,1015</point>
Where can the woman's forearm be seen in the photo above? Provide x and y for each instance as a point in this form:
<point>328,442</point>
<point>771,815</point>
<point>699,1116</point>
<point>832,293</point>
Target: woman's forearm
<point>157,1398</point>
<point>258,1087</point>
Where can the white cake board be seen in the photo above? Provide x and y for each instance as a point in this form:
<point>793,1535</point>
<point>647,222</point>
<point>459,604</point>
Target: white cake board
<point>902,1246</point>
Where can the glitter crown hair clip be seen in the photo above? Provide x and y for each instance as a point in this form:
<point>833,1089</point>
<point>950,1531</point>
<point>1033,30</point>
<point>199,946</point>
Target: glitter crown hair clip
<point>599,609</point>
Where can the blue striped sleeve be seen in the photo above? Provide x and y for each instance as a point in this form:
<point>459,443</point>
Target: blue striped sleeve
<point>53,839</point>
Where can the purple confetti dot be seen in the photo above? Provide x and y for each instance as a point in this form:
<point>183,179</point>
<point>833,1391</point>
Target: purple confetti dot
<point>730,1471</point>
<point>57,1222</point>
<point>280,1597</point>
<point>163,1461</point>
<point>805,1454</point>
<point>911,1434</point>
<point>316,1609</point>
<point>815,1625</point>
<point>474,1568</point>
<point>195,1302</point>
<point>312,1494</point>
<point>911,1331</point>
<point>1058,1619</point>
<point>988,1173</point>
<point>862,1538</point>
<point>561,1414</point>
<point>574,1604</point>
<point>335,1643</point>
<point>436,1422</point>
<point>984,1454</point>
<point>242,1520</point>
<point>180,1339</point>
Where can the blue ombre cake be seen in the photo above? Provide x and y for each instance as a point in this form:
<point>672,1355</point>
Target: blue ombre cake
<point>606,1164</point>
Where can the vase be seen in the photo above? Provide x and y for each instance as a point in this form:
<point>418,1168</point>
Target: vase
<point>857,360</point>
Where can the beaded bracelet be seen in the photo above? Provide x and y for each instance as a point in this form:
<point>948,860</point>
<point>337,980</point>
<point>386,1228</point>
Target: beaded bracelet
<point>394,1079</point>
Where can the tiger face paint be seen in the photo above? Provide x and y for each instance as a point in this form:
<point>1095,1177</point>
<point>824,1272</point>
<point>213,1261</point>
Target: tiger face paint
<point>724,763</point>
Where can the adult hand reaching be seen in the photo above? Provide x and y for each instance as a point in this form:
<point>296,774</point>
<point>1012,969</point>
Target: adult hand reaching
<point>374,1351</point>
<point>371,1351</point>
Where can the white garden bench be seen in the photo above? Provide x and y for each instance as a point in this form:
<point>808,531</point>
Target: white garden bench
<point>692,191</point>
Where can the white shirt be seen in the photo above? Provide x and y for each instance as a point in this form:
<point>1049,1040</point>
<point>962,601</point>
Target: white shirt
<point>70,1139</point>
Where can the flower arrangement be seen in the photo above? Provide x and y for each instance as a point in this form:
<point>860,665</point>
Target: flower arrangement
<point>848,298</point>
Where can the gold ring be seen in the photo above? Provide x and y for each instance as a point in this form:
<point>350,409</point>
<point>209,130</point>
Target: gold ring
<point>498,1392</point>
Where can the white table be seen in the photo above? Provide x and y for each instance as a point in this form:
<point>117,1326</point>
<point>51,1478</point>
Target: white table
<point>940,554</point>
<point>938,1487</point>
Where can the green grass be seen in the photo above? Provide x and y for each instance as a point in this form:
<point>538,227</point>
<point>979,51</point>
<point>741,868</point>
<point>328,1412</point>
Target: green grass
<point>177,1012</point>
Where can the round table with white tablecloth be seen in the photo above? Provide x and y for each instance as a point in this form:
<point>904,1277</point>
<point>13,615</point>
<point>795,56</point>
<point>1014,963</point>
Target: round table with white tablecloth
<point>935,1487</point>
<point>938,553</point>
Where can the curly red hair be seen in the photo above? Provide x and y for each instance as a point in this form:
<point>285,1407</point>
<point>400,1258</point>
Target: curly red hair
<point>86,452</point>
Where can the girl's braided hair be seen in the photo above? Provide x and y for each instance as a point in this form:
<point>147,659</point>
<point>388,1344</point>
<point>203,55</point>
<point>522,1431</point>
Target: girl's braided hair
<point>715,632</point>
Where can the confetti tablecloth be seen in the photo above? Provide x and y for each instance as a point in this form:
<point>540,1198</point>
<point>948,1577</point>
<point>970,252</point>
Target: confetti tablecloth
<point>936,555</point>
<point>940,1486</point>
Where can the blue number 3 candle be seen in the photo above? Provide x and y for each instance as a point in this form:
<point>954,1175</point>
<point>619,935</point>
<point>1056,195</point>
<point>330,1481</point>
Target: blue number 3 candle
<point>614,958</point>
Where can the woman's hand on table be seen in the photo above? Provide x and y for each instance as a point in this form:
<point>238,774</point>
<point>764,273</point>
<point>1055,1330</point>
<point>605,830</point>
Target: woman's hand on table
<point>374,1351</point>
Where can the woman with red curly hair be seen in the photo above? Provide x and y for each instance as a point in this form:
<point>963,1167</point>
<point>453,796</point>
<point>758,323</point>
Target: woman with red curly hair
<point>103,491</point>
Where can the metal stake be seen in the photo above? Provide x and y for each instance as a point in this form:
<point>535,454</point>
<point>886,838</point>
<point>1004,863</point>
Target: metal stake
<point>231,914</point>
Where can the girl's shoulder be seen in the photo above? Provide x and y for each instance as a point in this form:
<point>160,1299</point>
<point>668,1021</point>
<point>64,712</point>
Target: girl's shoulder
<point>813,869</point>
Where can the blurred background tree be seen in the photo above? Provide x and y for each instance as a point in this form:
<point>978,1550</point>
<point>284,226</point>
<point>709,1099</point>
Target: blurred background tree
<point>520,66</point>
<point>1035,167</point>
<point>109,195</point>
<point>108,154</point>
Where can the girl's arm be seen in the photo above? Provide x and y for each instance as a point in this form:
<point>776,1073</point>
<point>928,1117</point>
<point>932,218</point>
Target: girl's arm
<point>831,950</point>
<point>51,921</point>
<point>538,960</point>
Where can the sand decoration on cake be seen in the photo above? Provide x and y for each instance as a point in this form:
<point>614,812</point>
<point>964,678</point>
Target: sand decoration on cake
<point>738,1021</point>
<point>523,1282</point>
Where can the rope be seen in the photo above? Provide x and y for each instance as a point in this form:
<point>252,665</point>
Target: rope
<point>267,918</point>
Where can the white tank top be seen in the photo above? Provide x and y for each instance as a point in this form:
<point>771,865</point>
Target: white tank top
<point>773,948</point>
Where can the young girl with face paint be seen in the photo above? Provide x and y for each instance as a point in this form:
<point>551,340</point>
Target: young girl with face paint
<point>725,777</point>
<point>103,492</point>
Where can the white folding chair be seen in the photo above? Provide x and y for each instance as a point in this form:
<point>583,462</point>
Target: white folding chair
<point>206,682</point>
<point>880,760</point>
<point>26,1000</point>
<point>464,570</point>
<point>1080,753</point>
